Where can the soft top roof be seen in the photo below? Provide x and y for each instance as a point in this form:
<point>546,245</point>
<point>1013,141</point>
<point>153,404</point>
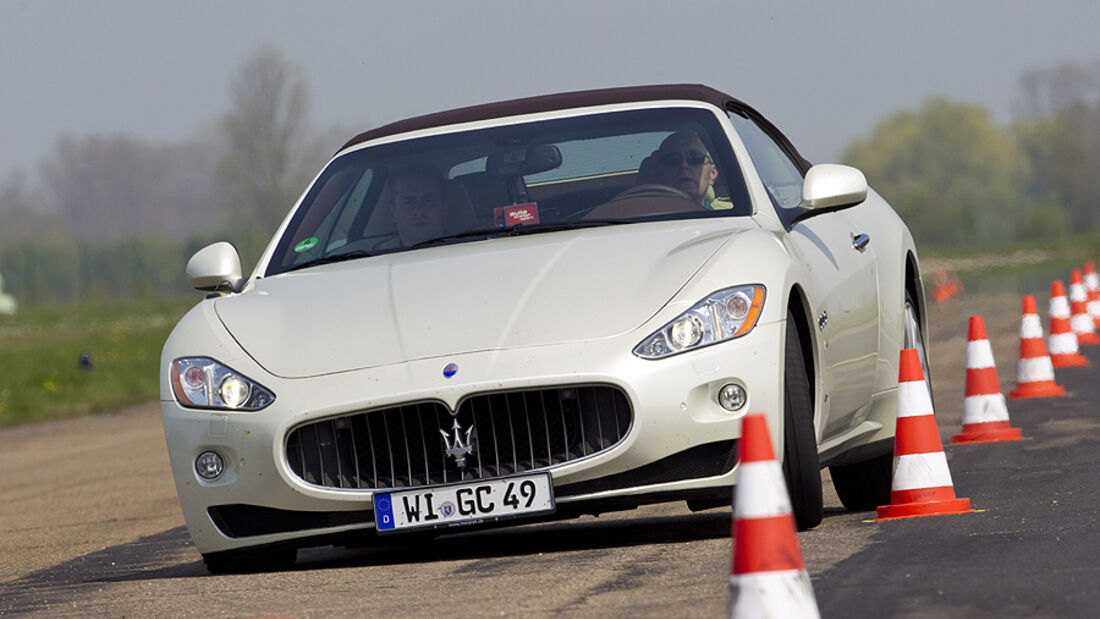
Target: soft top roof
<point>545,103</point>
<point>583,98</point>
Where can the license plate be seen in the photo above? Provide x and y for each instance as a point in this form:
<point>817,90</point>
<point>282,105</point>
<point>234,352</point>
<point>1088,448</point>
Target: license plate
<point>462,504</point>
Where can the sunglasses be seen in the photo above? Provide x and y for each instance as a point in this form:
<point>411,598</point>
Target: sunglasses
<point>693,159</point>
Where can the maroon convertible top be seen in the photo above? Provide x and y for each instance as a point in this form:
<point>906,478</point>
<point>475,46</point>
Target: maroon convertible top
<point>569,100</point>
<point>545,103</point>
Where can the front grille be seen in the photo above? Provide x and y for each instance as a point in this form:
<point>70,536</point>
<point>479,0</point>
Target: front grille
<point>513,431</point>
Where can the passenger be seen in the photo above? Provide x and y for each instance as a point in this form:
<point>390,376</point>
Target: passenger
<point>683,162</point>
<point>418,203</point>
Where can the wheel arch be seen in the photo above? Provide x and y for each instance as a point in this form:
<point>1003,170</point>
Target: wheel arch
<point>914,285</point>
<point>798,306</point>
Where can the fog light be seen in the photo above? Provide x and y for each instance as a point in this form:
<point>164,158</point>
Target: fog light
<point>209,465</point>
<point>732,397</point>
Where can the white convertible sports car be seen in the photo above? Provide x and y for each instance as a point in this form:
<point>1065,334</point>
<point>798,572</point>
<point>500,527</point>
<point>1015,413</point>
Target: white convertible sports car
<point>538,309</point>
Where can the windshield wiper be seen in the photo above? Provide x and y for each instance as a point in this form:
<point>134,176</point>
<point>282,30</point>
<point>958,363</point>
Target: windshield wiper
<point>517,230</point>
<point>351,255</point>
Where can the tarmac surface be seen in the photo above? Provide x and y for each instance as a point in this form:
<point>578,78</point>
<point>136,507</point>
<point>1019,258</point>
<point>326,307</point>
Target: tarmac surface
<point>89,525</point>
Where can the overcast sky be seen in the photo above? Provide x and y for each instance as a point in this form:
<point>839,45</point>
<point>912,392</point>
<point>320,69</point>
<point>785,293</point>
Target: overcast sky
<point>824,72</point>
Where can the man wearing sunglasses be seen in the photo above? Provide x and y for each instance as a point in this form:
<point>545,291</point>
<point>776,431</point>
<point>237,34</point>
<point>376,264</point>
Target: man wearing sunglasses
<point>683,162</point>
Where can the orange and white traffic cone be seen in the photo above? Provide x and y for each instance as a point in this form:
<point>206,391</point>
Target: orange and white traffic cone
<point>922,484</point>
<point>1062,341</point>
<point>1034,370</point>
<point>1092,292</point>
<point>768,577</point>
<point>1079,320</point>
<point>985,412</point>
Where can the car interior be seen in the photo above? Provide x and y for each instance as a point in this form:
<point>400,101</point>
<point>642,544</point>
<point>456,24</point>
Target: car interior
<point>581,177</point>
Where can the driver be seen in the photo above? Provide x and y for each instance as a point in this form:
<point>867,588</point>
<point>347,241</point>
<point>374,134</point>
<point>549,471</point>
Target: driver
<point>683,162</point>
<point>418,206</point>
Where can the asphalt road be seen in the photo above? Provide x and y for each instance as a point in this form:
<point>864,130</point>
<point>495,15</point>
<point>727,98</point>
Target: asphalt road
<point>88,526</point>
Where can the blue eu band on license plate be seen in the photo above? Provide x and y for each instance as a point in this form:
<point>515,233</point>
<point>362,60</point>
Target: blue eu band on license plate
<point>467,503</point>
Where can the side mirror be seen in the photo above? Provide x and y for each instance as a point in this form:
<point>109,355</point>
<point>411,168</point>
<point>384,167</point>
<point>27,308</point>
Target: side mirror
<point>215,268</point>
<point>830,185</point>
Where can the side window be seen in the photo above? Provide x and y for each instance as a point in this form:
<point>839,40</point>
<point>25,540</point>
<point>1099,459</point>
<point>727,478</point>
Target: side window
<point>349,212</point>
<point>341,201</point>
<point>781,177</point>
<point>468,167</point>
<point>600,156</point>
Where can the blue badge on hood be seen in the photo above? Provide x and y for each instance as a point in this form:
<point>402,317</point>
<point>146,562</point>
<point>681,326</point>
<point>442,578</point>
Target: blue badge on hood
<point>450,370</point>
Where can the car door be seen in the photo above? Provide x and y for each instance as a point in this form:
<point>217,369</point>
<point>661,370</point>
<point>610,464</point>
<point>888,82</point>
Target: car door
<point>842,289</point>
<point>844,300</point>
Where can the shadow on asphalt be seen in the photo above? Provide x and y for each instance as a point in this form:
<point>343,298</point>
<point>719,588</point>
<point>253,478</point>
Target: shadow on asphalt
<point>170,555</point>
<point>524,541</point>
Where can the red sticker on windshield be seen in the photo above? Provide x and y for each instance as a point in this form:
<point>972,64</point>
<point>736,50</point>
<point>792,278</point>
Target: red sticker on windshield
<point>516,214</point>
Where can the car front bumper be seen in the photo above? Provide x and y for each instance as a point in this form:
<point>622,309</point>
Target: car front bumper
<point>679,443</point>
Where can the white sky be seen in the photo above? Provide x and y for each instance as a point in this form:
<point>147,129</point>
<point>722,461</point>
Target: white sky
<point>824,71</point>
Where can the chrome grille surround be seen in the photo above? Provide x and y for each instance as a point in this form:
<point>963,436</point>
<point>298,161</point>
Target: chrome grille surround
<point>403,446</point>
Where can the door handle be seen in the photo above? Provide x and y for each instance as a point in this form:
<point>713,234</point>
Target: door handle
<point>860,241</point>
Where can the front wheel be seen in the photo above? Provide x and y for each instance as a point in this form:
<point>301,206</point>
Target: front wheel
<point>801,467</point>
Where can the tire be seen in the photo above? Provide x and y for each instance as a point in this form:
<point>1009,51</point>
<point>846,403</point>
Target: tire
<point>862,486</point>
<point>914,338</point>
<point>251,560</point>
<point>801,467</point>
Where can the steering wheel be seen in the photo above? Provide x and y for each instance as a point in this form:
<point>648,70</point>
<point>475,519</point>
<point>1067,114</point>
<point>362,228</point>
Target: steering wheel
<point>652,190</point>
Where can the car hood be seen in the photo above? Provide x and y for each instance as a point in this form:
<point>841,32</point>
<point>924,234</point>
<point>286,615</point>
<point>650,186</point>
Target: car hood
<point>511,292</point>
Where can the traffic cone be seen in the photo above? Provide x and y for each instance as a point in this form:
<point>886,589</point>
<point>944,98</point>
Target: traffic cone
<point>1080,321</point>
<point>985,412</point>
<point>1092,292</point>
<point>1062,341</point>
<point>1034,370</point>
<point>921,484</point>
<point>768,577</point>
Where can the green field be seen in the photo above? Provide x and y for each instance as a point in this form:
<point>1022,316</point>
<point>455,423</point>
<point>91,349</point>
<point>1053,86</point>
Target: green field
<point>40,350</point>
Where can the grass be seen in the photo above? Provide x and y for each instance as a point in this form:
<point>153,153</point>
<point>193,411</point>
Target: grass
<point>40,349</point>
<point>1022,268</point>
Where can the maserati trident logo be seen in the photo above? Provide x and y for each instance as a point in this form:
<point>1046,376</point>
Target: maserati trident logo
<point>458,448</point>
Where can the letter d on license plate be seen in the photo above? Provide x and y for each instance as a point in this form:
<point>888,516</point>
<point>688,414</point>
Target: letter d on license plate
<point>467,503</point>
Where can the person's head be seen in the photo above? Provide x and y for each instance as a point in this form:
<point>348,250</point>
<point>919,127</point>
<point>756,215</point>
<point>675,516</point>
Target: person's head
<point>418,206</point>
<point>683,162</point>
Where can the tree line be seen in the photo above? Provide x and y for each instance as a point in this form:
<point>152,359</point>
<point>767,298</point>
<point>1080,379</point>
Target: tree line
<point>961,181</point>
<point>118,216</point>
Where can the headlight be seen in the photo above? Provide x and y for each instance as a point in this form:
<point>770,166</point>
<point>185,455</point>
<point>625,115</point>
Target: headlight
<point>722,316</point>
<point>201,382</point>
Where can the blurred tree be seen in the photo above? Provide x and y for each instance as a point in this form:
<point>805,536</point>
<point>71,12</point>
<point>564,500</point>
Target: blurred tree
<point>119,216</point>
<point>23,215</point>
<point>107,188</point>
<point>1059,128</point>
<point>262,171</point>
<point>1050,91</point>
<point>951,173</point>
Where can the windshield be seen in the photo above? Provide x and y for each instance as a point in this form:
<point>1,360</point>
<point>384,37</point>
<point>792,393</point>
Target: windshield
<point>523,178</point>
